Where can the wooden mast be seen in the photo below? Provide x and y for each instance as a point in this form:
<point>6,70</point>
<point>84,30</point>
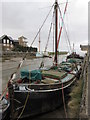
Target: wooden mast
<point>39,41</point>
<point>56,29</point>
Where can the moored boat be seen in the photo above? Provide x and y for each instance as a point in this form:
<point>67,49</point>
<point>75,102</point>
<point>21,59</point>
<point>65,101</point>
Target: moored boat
<point>39,55</point>
<point>41,90</point>
<point>74,55</point>
<point>4,108</point>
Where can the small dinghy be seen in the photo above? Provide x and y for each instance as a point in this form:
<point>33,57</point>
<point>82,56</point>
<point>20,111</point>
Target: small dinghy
<point>4,108</point>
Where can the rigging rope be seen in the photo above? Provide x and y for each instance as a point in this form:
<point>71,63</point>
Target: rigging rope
<point>48,38</point>
<point>53,30</point>
<point>23,106</point>
<point>66,42</point>
<point>64,101</point>
<point>42,25</point>
<point>52,24</point>
<point>13,75</point>
<point>65,29</point>
<point>62,23</point>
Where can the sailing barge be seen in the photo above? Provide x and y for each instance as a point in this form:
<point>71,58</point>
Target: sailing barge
<point>40,91</point>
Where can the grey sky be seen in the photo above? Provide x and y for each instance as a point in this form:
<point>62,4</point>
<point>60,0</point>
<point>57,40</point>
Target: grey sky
<point>23,17</point>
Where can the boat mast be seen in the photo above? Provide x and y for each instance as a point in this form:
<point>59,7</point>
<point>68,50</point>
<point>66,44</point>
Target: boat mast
<point>56,29</point>
<point>73,47</point>
<point>39,41</point>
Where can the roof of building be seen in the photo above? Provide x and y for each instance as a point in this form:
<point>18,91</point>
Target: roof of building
<point>2,37</point>
<point>22,37</point>
<point>84,47</point>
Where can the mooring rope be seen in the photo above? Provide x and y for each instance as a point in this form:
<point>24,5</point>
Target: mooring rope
<point>64,101</point>
<point>23,106</point>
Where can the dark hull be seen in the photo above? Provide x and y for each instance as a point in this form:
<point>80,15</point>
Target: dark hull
<point>6,114</point>
<point>38,101</point>
<point>74,55</point>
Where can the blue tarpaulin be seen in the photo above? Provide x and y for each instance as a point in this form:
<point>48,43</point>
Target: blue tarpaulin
<point>33,75</point>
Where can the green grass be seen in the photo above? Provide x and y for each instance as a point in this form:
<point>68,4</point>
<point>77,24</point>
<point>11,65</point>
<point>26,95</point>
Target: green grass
<point>74,103</point>
<point>59,53</point>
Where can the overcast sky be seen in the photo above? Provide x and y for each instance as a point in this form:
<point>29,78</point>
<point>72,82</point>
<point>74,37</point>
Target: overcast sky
<point>24,17</point>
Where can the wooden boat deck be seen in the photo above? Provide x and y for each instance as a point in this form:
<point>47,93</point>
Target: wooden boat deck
<point>49,81</point>
<point>54,74</point>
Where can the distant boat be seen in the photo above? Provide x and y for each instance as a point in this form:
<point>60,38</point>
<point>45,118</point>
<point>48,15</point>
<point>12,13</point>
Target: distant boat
<point>39,54</point>
<point>74,55</point>
<point>41,90</point>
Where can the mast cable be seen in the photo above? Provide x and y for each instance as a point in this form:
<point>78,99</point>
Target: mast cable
<point>65,29</point>
<point>53,29</point>
<point>41,26</point>
<point>49,36</point>
<point>62,23</point>
<point>13,75</point>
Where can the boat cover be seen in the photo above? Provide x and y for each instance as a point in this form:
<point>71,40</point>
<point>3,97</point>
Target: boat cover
<point>54,74</point>
<point>33,75</point>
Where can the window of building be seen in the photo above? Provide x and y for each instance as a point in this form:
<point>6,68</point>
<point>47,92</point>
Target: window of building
<point>4,41</point>
<point>11,42</point>
<point>7,41</point>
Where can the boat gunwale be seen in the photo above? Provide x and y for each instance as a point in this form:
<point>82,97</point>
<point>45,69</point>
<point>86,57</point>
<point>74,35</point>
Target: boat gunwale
<point>46,90</point>
<point>60,82</point>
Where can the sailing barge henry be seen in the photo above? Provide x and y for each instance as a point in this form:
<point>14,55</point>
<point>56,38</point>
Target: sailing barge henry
<point>40,91</point>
